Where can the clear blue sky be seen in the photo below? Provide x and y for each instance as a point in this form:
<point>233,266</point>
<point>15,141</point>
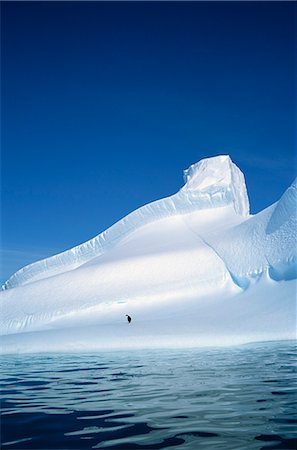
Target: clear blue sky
<point>104,105</point>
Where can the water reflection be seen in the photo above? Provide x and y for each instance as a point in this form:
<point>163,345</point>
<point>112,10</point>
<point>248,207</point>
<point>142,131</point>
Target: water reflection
<point>233,398</point>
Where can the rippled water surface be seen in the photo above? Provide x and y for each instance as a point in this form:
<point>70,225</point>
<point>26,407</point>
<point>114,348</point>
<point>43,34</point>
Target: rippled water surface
<point>225,398</point>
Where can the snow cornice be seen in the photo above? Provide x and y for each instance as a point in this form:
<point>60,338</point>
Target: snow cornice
<point>212,183</point>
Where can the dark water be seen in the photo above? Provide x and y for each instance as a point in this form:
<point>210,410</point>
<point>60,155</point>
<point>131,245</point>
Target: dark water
<point>231,398</point>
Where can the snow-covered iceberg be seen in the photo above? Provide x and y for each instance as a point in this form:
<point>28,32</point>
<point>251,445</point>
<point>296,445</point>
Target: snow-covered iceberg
<point>194,268</point>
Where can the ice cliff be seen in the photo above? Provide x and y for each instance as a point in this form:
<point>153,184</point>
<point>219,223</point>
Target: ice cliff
<point>191,269</point>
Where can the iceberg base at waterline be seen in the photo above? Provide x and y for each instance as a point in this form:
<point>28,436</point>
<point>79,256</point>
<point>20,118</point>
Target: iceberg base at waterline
<point>193,269</point>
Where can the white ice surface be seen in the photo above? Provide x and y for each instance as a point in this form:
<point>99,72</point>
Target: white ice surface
<point>191,269</point>
<point>265,311</point>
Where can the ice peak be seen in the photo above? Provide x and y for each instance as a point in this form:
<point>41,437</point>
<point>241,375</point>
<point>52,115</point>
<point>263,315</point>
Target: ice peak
<point>218,175</point>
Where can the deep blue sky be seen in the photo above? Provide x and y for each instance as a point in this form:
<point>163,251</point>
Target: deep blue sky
<point>104,105</point>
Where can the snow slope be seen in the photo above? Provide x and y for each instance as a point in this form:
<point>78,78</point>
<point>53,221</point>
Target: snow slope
<point>209,184</point>
<point>191,269</point>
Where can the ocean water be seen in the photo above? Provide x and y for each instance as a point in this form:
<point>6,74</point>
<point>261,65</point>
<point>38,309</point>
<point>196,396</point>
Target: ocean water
<point>217,398</point>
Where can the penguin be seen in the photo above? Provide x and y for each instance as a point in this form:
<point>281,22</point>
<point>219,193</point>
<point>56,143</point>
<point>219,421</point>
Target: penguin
<point>128,318</point>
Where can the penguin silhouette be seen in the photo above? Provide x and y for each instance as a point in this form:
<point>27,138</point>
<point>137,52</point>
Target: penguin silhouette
<point>128,318</point>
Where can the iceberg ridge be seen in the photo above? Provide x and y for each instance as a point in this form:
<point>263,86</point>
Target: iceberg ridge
<point>212,183</point>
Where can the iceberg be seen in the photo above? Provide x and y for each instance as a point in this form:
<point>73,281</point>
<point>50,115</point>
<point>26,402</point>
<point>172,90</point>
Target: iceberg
<point>191,269</point>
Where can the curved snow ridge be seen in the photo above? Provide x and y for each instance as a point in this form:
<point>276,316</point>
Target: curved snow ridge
<point>211,183</point>
<point>285,209</point>
<point>264,243</point>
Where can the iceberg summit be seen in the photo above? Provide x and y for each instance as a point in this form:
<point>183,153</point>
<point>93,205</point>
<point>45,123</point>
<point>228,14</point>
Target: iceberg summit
<point>192,269</point>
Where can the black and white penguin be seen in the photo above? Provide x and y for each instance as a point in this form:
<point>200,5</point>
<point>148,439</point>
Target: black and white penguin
<point>128,318</point>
